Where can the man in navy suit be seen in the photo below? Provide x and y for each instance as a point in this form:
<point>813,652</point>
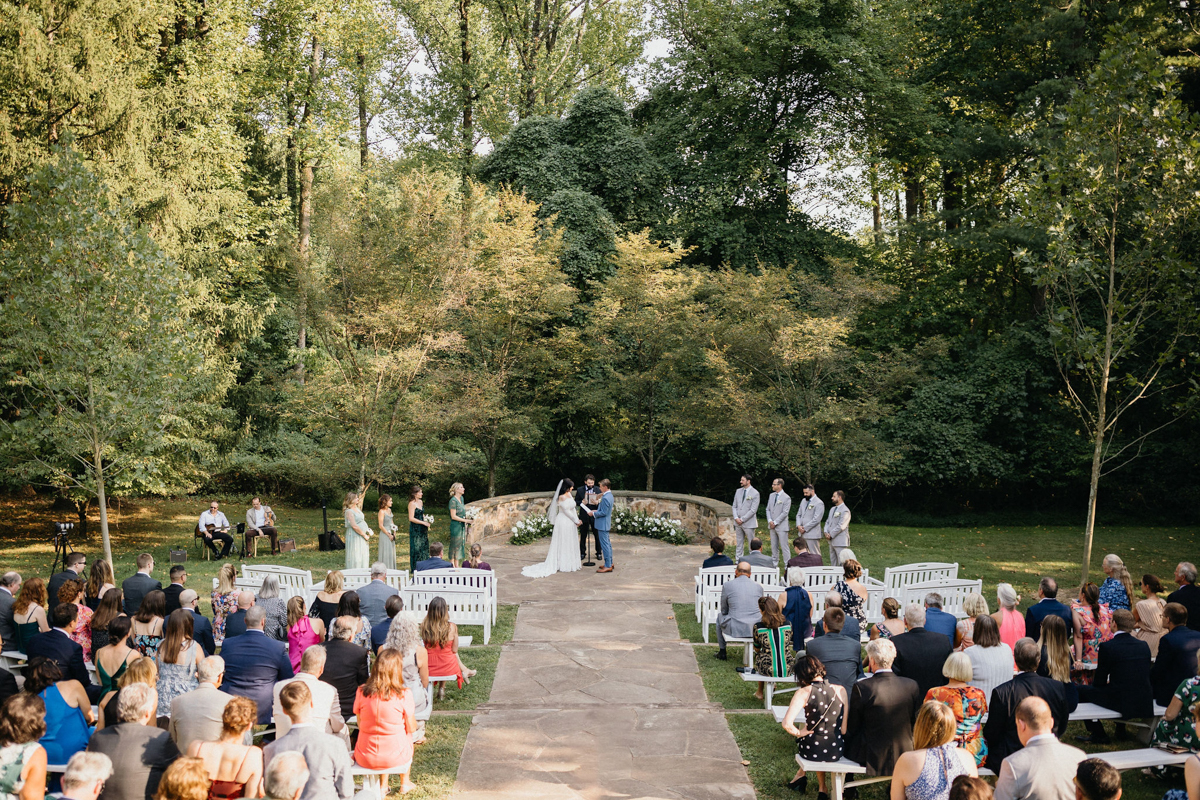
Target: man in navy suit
<point>435,560</point>
<point>235,623</point>
<point>1187,595</point>
<point>1122,679</point>
<point>202,631</point>
<point>1047,604</point>
<point>135,587</point>
<point>254,663</point>
<point>379,633</point>
<point>937,620</point>
<point>178,579</point>
<point>920,653</point>
<point>56,645</point>
<point>74,566</point>
<point>1176,660</point>
<point>718,557</point>
<point>1000,731</point>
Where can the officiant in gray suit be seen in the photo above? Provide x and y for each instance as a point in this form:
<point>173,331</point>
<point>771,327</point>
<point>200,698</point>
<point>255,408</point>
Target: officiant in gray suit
<point>808,520</point>
<point>745,514</point>
<point>779,508</point>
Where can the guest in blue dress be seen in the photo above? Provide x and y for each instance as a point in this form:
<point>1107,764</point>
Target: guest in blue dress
<point>797,607</point>
<point>69,722</point>
<point>1117,589</point>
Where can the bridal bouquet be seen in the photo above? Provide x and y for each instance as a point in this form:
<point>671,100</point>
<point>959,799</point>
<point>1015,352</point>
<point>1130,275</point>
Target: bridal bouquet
<point>472,513</point>
<point>429,519</point>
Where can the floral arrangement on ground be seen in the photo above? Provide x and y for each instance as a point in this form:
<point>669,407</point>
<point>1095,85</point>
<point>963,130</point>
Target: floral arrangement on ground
<point>625,522</point>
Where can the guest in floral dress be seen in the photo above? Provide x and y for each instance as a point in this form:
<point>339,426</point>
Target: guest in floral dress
<point>1093,626</point>
<point>1117,589</point>
<point>224,600</point>
<point>854,594</point>
<point>148,623</point>
<point>1176,726</point>
<point>178,659</point>
<point>22,759</point>
<point>968,704</point>
<point>72,591</point>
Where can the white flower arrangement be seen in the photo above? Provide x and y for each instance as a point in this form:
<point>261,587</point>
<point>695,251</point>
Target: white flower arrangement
<point>471,513</point>
<point>631,523</point>
<point>530,529</point>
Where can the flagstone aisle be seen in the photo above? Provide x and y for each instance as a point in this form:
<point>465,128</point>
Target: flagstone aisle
<point>596,697</point>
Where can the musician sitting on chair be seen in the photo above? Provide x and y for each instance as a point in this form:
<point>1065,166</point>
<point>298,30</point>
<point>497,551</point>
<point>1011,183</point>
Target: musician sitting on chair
<point>260,520</point>
<point>214,527</point>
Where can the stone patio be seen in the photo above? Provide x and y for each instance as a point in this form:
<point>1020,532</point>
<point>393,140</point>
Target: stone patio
<point>596,696</point>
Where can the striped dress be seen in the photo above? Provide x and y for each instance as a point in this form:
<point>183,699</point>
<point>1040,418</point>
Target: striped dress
<point>773,651</point>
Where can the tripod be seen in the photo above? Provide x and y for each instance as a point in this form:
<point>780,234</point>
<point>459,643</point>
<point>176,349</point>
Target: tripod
<point>595,538</point>
<point>62,548</point>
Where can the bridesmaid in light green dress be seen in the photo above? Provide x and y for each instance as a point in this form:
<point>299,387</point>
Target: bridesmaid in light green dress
<point>358,551</point>
<point>458,526</point>
<point>387,532</point>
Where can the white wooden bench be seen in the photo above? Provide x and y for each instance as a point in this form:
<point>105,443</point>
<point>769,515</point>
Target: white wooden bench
<point>358,578</point>
<point>467,606</point>
<point>895,579</point>
<point>481,579</point>
<point>711,601</point>
<point>953,592</point>
<point>13,660</point>
<point>376,780</point>
<point>768,684</point>
<point>292,581</point>
<point>838,770</point>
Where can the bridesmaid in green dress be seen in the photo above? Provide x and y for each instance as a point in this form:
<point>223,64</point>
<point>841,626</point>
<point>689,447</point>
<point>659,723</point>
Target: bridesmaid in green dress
<point>387,532</point>
<point>418,528</point>
<point>458,526</point>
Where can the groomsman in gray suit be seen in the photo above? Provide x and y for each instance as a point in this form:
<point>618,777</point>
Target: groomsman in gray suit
<point>779,507</point>
<point>745,514</point>
<point>837,528</point>
<point>808,520</point>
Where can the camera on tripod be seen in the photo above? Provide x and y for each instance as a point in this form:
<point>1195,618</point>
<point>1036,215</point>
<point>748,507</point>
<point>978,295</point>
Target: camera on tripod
<point>62,530</point>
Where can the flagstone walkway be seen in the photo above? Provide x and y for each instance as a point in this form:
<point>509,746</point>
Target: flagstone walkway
<point>596,696</point>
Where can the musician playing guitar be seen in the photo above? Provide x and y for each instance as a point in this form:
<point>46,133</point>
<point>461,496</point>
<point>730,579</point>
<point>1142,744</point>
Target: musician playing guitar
<point>215,528</point>
<point>260,520</point>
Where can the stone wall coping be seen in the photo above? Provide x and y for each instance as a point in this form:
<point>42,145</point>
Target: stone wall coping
<point>721,508</point>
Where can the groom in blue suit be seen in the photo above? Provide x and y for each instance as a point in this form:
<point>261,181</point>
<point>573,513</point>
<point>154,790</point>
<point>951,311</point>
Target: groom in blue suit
<point>602,517</point>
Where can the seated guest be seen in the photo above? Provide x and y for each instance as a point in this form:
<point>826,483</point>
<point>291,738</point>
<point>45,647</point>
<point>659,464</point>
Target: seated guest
<point>326,756</point>
<point>1000,730</point>
<point>235,623</point>
<point>57,645</point>
<point>440,636</point>
<point>234,768</point>
<point>974,605</point>
<point>1148,613</point>
<point>113,659</point>
<point>8,685</point>
<point>29,613</point>
<point>1096,779</point>
<point>757,558</point>
<point>303,631</point>
<point>921,653</point>
<point>139,751</point>
<point>110,608</point>
<point>198,716</point>
<point>966,702</point>
<point>965,787</point>
<point>939,621</point>
<point>404,636</point>
<point>1044,767</point>
<point>273,606</point>
<point>1008,619</point>
<point>140,584</point>
<point>854,594</point>
<point>73,567</point>
<point>260,521</point>
<point>386,719</point>
<point>178,660</point>
<point>1188,594</point>
<point>85,776</point>
<point>346,665</point>
<point>826,703</point>
<point>797,605</point>
<point>1177,648</point>
<point>255,663</point>
<point>882,710</point>
<point>739,607</point>
<point>476,560</point>
<point>1093,625</point>
<point>373,596</point>
<point>803,557</point>
<point>325,606</point>
<point>891,625</point>
<point>148,623</point>
<point>1175,728</point>
<point>1113,592</point>
<point>202,630</point>
<point>350,610</point>
<point>10,584</point>
<point>326,711</point>
<point>1047,604</point>
<point>841,656</point>
<point>718,557</point>
<point>991,659</point>
<point>1122,680</point>
<point>178,576</point>
<point>22,723</point>
<point>224,600</point>
<point>379,633</point>
<point>933,745</point>
<point>68,710</point>
<point>852,628</point>
<point>99,583</point>
<point>72,592</point>
<point>1191,768</point>
<point>286,777</point>
<point>435,560</point>
<point>773,649</point>
<point>219,531</point>
<point>185,779</point>
<point>1055,661</point>
<point>142,671</point>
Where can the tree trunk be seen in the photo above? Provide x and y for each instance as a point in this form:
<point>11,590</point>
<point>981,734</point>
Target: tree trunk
<point>303,250</point>
<point>650,479</point>
<point>491,479</point>
<point>876,206</point>
<point>951,198</point>
<point>468,98</point>
<point>362,110</point>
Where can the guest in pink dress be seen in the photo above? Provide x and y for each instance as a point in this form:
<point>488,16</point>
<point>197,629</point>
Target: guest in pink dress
<point>303,631</point>
<point>1008,619</point>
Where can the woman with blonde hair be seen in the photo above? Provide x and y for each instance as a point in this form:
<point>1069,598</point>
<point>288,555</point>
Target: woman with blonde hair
<point>1148,613</point>
<point>140,670</point>
<point>185,779</point>
<point>968,704</point>
<point>224,599</point>
<point>974,604</point>
<point>404,636</point>
<point>458,524</point>
<point>325,605</point>
<point>1008,619</point>
<point>1056,651</point>
<point>387,719</point>
<point>387,532</point>
<point>1117,589</point>
<point>302,631</point>
<point>179,658</point>
<point>927,771</point>
<point>236,769</point>
<point>358,534</point>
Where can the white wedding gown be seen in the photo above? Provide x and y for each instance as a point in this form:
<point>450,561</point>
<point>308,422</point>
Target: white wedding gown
<point>564,544</point>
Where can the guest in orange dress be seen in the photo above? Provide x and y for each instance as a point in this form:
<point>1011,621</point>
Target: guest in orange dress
<point>441,642</point>
<point>387,719</point>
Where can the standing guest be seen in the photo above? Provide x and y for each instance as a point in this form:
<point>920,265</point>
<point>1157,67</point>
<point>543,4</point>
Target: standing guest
<point>802,557</point>
<point>808,522</point>
<point>179,658</point>
<point>797,604</point>
<point>346,664</point>
<point>939,621</point>
<point>1000,730</point>
<point>837,528</point>
<point>374,594</point>
<point>1093,625</point>
<point>58,646</point>
<point>287,776</point>
<point>185,779</point>
<point>219,532</point>
<point>386,720</point>
<point>224,599</point>
<point>405,638</point>
<point>1188,594</point>
<point>29,612</point>
<point>974,604</point>
<point>234,768</point>
<point>745,515</point>
<point>841,655</point>
<point>1113,592</point>
<point>1047,604</point>
<point>739,607</point>
<point>141,671</point>
<point>718,557</point>
<point>882,710</point>
<point>458,525</point>
<point>379,633</point>
<point>10,584</point>
<point>779,507</point>
<point>757,558</point>
<point>824,703</point>
<point>920,653</point>
<point>100,581</point>
<point>854,594</point>
<point>73,566</point>
<point>991,659</point>
<point>111,606</point>
<point>476,560</point>
<point>891,624</point>
<point>140,752</point>
<point>86,774</point>
<point>349,609</point>
<point>22,723</point>
<point>254,663</point>
<point>235,623</point>
<point>773,648</point>
<point>588,497</point>
<point>140,584</point>
<point>418,527</point>
<point>325,713</point>
<point>441,640</point>
<point>274,607</point>
<point>387,532</point>
<point>1055,661</point>
<point>1177,650</point>
<point>326,759</point>
<point>68,709</point>
<point>148,623</point>
<point>71,591</point>
<point>202,630</point>
<point>966,702</point>
<point>358,533</point>
<point>1044,767</point>
<point>197,716</point>
<point>1008,619</point>
<point>260,521</point>
<point>926,771</point>
<point>435,560</point>
<point>1122,680</point>
<point>1148,613</point>
<point>178,577</point>
<point>325,606</point>
<point>1096,779</point>
<point>303,631</point>
<point>115,657</point>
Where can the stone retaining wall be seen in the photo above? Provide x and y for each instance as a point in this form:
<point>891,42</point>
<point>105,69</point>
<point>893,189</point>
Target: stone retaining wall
<point>703,517</point>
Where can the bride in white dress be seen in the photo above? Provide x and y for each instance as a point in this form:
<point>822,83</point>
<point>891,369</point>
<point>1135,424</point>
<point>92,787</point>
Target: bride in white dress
<point>564,544</point>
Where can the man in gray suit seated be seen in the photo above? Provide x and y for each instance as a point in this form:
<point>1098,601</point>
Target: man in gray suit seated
<point>373,597</point>
<point>196,715</point>
<point>1044,768</point>
<point>841,655</point>
<point>325,754</point>
<point>140,752</point>
<point>757,558</point>
<point>739,607</point>
<point>745,514</point>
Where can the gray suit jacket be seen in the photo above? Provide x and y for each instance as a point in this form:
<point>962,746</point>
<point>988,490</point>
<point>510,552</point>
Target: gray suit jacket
<point>745,507</point>
<point>808,518</point>
<point>841,655</point>
<point>1042,770</point>
<point>140,755</point>
<point>758,558</point>
<point>196,716</point>
<point>7,632</point>
<point>327,758</point>
<point>739,607</point>
<point>837,526</point>
<point>779,506</point>
<point>371,599</point>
